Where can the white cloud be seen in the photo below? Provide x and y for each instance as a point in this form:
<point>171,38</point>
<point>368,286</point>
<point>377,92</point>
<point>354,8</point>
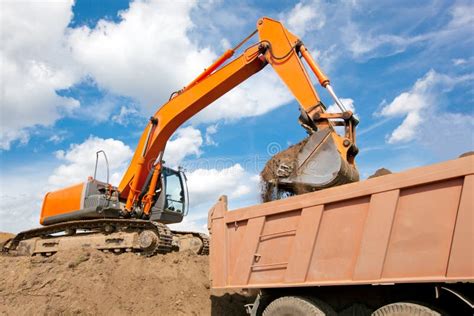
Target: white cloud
<point>365,44</point>
<point>347,102</point>
<point>411,105</point>
<point>125,115</point>
<point>56,138</point>
<point>453,135</point>
<point>225,44</point>
<point>420,107</point>
<point>210,131</point>
<point>20,208</point>
<point>376,40</point>
<point>79,161</point>
<point>192,222</point>
<point>152,51</point>
<point>146,55</point>
<point>305,17</point>
<point>98,110</point>
<point>149,54</point>
<point>258,95</point>
<point>207,185</point>
<point>35,63</point>
<point>9,135</point>
<point>459,61</point>
<point>186,141</point>
<point>461,15</point>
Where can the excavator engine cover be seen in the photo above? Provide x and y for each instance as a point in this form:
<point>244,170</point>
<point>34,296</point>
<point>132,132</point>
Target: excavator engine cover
<point>311,165</point>
<point>88,200</point>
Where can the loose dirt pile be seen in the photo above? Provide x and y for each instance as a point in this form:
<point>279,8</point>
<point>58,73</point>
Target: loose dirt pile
<point>380,172</point>
<point>89,282</point>
<point>4,237</point>
<point>466,154</point>
<point>269,174</point>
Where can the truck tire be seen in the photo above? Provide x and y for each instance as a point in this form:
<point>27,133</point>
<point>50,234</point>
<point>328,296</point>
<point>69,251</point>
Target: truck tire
<point>297,306</point>
<point>405,309</point>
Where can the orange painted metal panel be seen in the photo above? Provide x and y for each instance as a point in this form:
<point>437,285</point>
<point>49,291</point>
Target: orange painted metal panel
<point>461,260</point>
<point>290,69</point>
<point>241,272</point>
<point>278,233</point>
<point>438,172</point>
<point>377,231</point>
<point>415,226</point>
<point>301,252</point>
<point>338,240</point>
<point>234,236</point>
<point>216,220</point>
<point>62,201</point>
<point>422,230</point>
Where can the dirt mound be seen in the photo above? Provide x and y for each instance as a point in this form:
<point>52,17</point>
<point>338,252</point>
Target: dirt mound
<point>466,154</point>
<point>90,282</point>
<point>4,237</point>
<point>288,157</point>
<point>380,172</point>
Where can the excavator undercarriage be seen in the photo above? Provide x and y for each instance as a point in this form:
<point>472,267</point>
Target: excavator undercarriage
<point>109,235</point>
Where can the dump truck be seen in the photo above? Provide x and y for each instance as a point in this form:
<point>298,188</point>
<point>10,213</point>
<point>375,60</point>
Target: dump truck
<point>133,217</point>
<point>399,244</point>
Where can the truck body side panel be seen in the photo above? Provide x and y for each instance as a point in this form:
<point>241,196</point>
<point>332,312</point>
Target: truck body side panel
<point>414,226</point>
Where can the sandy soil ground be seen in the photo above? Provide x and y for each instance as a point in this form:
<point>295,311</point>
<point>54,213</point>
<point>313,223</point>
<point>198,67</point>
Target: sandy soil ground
<point>89,282</point>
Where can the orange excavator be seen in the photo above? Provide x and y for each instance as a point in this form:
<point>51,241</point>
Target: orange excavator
<point>133,216</point>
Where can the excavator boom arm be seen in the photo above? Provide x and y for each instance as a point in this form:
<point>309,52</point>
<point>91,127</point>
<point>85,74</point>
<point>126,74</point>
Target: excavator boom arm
<point>277,46</point>
<point>181,108</point>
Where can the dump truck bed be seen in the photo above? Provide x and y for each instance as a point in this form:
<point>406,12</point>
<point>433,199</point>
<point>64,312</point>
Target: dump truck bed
<point>409,227</point>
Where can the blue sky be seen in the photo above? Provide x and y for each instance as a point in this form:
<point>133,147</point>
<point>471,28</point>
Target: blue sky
<point>78,77</point>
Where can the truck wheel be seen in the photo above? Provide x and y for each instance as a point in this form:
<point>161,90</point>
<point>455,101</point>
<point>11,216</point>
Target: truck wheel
<point>405,309</point>
<point>297,306</point>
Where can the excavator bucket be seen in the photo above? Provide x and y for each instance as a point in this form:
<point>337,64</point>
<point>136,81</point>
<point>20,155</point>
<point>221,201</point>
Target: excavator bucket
<point>313,164</point>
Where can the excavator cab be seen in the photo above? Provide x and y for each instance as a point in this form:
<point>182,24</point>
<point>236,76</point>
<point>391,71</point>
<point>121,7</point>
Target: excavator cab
<point>173,198</point>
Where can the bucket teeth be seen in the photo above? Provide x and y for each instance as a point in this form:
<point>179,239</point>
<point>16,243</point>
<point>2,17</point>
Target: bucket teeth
<point>284,170</point>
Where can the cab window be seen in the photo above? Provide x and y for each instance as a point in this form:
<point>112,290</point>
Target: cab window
<point>174,192</point>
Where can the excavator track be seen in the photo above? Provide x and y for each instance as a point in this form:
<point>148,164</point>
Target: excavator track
<point>109,235</point>
<point>165,241</point>
<point>205,248</point>
<point>200,241</point>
